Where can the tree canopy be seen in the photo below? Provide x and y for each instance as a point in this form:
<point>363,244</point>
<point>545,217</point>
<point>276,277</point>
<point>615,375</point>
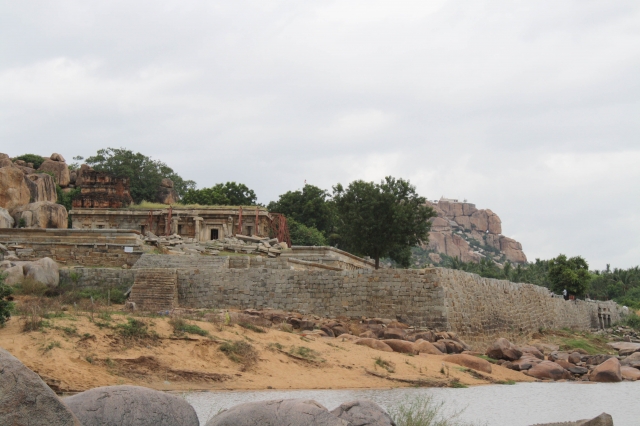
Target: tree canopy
<point>144,173</point>
<point>311,207</point>
<point>228,194</point>
<point>571,274</point>
<point>302,235</point>
<point>381,220</point>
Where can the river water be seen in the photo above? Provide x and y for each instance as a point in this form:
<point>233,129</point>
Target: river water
<point>521,404</point>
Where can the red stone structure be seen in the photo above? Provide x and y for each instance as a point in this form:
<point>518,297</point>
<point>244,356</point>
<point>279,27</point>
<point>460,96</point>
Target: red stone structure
<point>100,190</point>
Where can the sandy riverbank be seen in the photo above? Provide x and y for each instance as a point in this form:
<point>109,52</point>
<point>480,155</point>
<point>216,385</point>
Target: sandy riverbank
<point>74,353</point>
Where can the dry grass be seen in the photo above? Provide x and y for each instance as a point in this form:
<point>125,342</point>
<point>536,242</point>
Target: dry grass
<point>31,287</point>
<point>241,352</point>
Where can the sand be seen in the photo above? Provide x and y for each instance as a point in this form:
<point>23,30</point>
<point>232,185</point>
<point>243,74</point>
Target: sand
<point>74,353</point>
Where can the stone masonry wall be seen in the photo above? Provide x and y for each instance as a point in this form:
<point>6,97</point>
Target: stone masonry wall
<point>481,309</point>
<point>97,277</point>
<point>385,293</point>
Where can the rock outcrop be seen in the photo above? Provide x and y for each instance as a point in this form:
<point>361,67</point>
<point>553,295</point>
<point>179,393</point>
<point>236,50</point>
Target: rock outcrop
<point>463,231</point>
<point>166,192</point>
<point>278,412</point>
<point>363,413</point>
<point>43,214</point>
<point>42,187</point>
<point>131,405</point>
<point>6,221</point>
<point>26,400</point>
<point>56,166</point>
<point>14,191</point>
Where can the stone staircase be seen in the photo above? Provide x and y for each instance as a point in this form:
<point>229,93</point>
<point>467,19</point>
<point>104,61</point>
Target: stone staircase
<point>155,289</point>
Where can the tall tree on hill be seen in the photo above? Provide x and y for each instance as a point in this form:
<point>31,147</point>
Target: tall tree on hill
<point>571,274</point>
<point>227,194</point>
<point>311,207</point>
<point>381,220</point>
<point>144,173</point>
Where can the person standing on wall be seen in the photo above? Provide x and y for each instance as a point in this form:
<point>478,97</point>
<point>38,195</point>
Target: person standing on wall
<point>565,295</point>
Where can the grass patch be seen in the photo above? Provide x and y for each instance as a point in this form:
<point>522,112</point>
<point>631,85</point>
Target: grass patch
<point>180,327</point>
<point>487,358</point>
<point>424,411</point>
<point>69,331</point>
<point>304,352</point>
<point>135,329</point>
<point>275,346</point>
<point>456,384</point>
<point>506,382</point>
<point>31,287</point>
<point>251,327</point>
<point>386,365</point>
<point>240,352</point>
<point>578,343</point>
<point>51,345</point>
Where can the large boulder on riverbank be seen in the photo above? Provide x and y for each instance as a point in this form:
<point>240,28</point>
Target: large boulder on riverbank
<point>401,346</point>
<point>374,344</point>
<point>607,372</point>
<point>363,413</point>
<point>469,361</point>
<point>630,373</point>
<point>603,419</point>
<point>503,349</point>
<point>424,347</point>
<point>548,370</point>
<point>632,360</point>
<point>131,405</point>
<point>26,400</point>
<point>275,413</point>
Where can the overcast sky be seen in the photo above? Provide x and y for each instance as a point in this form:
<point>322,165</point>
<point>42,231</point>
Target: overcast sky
<point>530,109</point>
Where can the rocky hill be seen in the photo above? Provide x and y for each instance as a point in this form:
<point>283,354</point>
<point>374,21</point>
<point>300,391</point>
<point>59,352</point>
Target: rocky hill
<point>470,234</point>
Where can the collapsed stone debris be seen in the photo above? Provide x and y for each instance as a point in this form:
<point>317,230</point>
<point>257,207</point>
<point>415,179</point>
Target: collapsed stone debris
<point>175,244</point>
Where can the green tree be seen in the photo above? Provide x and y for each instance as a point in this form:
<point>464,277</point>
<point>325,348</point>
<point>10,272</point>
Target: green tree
<point>311,207</point>
<point>228,194</point>
<point>382,220</point>
<point>571,274</point>
<point>302,235</point>
<point>37,160</point>
<point>5,306</point>
<point>144,173</point>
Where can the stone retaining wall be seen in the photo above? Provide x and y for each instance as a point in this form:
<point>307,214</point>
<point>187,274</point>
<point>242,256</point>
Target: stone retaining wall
<point>479,309</point>
<point>75,247</point>
<point>97,277</point>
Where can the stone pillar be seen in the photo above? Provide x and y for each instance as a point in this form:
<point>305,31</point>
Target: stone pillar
<point>198,225</point>
<point>174,225</point>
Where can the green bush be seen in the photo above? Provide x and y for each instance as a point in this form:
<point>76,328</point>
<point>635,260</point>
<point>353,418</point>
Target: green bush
<point>633,321</point>
<point>302,235</point>
<point>180,326</point>
<point>31,158</point>
<point>5,305</point>
<point>135,329</point>
<point>423,411</point>
<point>240,351</point>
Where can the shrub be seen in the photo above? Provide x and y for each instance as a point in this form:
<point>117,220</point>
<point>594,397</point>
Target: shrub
<point>251,327</point>
<point>180,326</point>
<point>135,329</point>
<point>387,365</point>
<point>31,287</point>
<point>5,306</point>
<point>423,411</point>
<point>37,160</point>
<point>240,351</point>
<point>633,321</point>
